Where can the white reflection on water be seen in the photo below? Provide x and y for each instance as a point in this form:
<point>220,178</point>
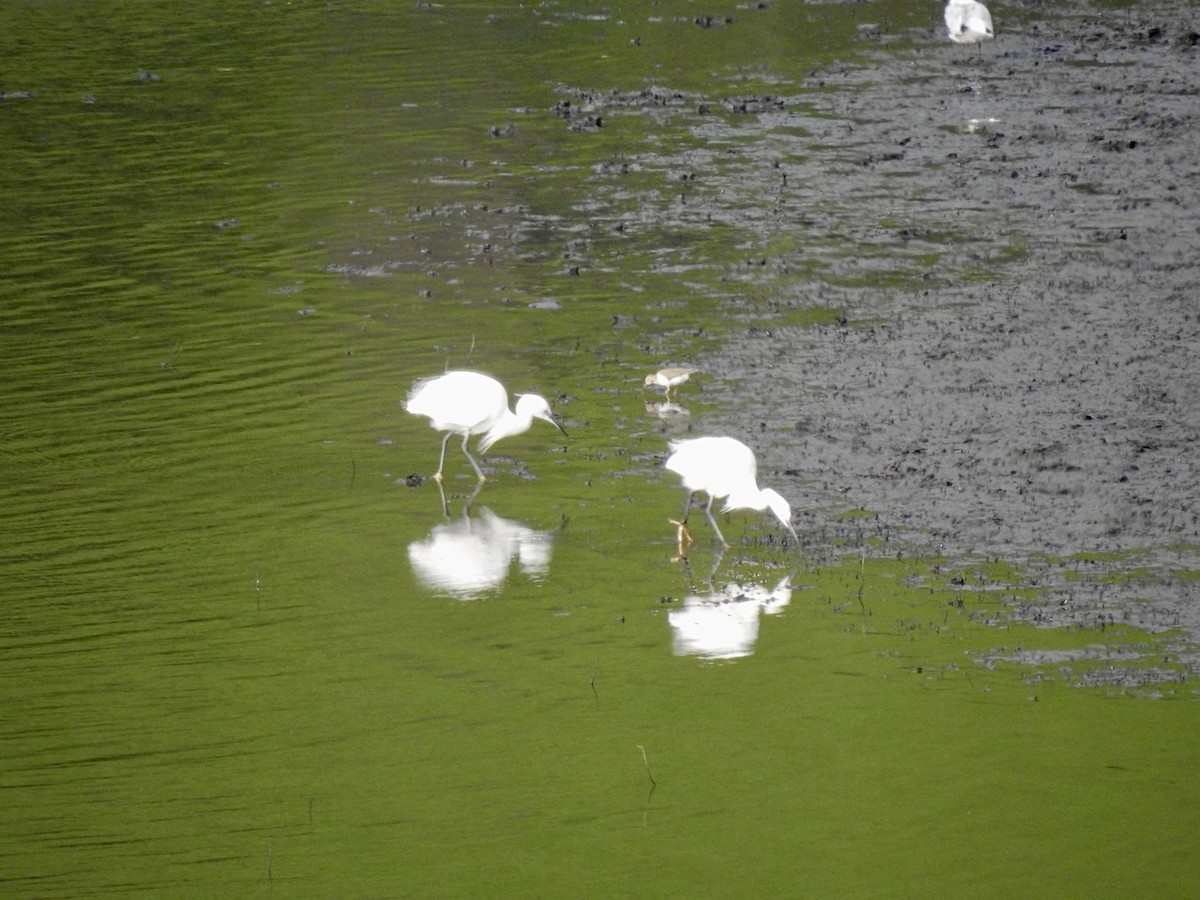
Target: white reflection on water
<point>667,410</point>
<point>471,556</point>
<point>724,624</point>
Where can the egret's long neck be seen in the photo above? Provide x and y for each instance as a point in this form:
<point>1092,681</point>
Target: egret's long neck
<point>749,497</point>
<point>509,424</point>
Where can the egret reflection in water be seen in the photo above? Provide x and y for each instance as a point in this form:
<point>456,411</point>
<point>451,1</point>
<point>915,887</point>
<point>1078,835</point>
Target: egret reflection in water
<point>471,556</point>
<point>723,624</point>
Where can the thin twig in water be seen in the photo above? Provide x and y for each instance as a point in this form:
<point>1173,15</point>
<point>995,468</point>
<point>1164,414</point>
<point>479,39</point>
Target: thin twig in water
<point>862,575</point>
<point>646,762</point>
<point>593,683</point>
<point>653,785</point>
<point>862,581</point>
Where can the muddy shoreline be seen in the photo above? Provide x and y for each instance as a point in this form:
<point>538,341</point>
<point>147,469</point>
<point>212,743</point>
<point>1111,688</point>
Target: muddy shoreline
<point>999,246</point>
<point>1034,393</point>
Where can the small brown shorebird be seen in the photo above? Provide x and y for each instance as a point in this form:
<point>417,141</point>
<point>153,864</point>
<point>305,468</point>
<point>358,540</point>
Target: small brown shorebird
<point>669,378</point>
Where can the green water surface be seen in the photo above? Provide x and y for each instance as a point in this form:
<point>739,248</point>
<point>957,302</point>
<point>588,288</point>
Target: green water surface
<point>232,236</point>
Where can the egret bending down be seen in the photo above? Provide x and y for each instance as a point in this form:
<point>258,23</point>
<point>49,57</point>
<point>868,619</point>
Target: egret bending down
<point>469,403</point>
<point>723,467</point>
<point>968,22</point>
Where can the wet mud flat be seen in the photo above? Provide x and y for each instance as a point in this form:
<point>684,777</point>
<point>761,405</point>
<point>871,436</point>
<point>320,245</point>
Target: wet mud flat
<point>1032,393</point>
<point>1006,243</point>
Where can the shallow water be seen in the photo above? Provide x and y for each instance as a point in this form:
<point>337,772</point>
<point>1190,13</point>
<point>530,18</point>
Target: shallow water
<point>242,656</point>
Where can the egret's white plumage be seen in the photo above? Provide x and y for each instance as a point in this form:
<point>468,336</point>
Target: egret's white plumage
<point>670,377</point>
<point>470,403</point>
<point>723,467</point>
<point>968,22</point>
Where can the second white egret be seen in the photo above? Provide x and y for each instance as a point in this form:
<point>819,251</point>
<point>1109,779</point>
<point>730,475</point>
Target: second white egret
<point>723,467</point>
<point>470,403</point>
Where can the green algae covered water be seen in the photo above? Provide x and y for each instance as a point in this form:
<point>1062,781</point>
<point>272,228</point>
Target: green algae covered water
<point>242,656</point>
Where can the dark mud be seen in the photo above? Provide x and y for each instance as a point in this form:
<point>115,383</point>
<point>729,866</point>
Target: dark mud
<point>1048,401</point>
<point>1038,396</point>
<point>1009,240</point>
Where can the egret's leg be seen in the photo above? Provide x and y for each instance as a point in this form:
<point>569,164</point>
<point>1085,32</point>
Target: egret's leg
<point>712,520</point>
<point>437,476</point>
<point>471,459</point>
<point>687,507</point>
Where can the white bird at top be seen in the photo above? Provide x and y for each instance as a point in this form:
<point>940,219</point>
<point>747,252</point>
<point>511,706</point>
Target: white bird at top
<point>968,22</point>
<point>470,403</point>
<point>723,467</point>
<point>670,377</point>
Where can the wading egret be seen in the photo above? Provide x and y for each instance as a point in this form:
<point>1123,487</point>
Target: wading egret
<point>669,378</point>
<point>723,467</point>
<point>968,22</point>
<point>469,403</point>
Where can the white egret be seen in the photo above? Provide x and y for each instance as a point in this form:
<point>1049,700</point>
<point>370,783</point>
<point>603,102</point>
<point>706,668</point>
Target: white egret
<point>470,403</point>
<point>670,377</point>
<point>723,467</point>
<point>968,22</point>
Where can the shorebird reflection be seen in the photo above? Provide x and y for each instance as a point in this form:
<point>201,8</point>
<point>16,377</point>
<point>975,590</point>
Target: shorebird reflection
<point>724,624</point>
<point>667,410</point>
<point>471,556</point>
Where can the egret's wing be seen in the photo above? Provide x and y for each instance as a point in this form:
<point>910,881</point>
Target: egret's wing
<point>720,466</point>
<point>458,400</point>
